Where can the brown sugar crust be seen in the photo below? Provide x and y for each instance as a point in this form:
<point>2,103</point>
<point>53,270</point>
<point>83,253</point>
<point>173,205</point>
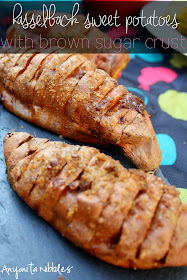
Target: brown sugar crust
<point>66,94</point>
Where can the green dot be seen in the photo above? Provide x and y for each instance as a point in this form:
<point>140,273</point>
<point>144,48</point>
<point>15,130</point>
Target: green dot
<point>183,195</point>
<point>174,103</point>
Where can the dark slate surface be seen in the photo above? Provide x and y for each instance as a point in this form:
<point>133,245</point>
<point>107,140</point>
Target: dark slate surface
<point>26,238</point>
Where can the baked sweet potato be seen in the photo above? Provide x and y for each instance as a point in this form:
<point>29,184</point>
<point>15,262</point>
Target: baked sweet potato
<point>125,217</point>
<point>64,93</point>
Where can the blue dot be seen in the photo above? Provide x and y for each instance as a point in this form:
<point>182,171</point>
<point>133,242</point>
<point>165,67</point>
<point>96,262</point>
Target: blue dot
<point>132,55</point>
<point>151,57</point>
<point>148,55</point>
<point>168,149</point>
<point>131,89</point>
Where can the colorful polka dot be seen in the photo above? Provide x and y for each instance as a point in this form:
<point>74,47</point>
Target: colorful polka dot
<point>152,56</point>
<point>174,103</point>
<point>121,32</point>
<point>119,75</point>
<point>151,75</point>
<point>183,195</point>
<point>168,149</point>
<point>178,60</point>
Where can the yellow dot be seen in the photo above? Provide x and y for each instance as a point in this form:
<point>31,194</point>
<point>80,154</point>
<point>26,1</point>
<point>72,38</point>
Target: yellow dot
<point>174,103</point>
<point>183,195</point>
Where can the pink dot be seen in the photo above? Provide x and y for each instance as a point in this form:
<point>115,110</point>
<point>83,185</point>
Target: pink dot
<point>120,75</point>
<point>151,75</point>
<point>117,32</point>
<point>7,20</point>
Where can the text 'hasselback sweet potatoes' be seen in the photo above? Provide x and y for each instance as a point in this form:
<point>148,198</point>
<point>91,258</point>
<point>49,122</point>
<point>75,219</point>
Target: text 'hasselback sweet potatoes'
<point>64,93</point>
<point>125,217</point>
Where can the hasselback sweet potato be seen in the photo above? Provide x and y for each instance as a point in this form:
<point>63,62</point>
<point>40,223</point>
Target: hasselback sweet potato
<point>111,62</point>
<point>125,217</point>
<point>64,93</point>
